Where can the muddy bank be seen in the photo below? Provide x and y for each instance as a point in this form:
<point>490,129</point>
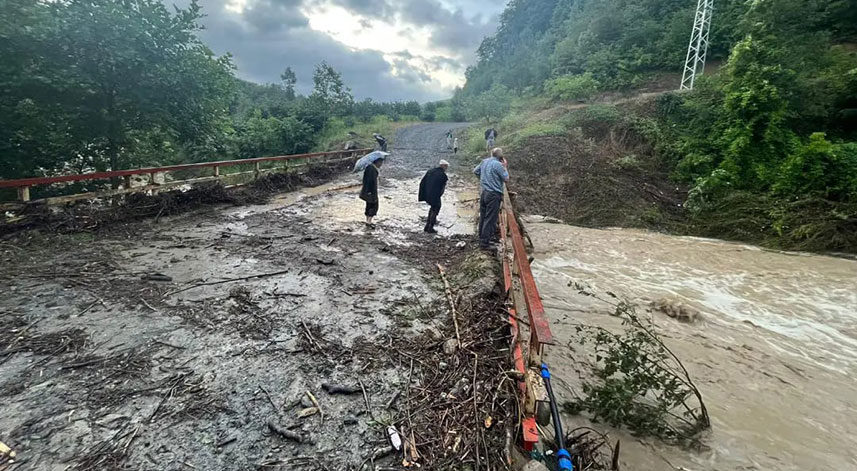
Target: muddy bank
<point>193,341</point>
<point>771,345</point>
<point>602,172</point>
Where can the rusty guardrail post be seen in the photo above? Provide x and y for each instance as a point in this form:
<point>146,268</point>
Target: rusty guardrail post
<point>520,283</point>
<point>24,194</point>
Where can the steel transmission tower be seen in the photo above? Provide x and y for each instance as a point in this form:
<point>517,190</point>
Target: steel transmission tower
<point>698,47</point>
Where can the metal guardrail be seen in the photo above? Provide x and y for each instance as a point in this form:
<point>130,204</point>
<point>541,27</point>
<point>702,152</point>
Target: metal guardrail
<point>523,294</point>
<point>23,184</point>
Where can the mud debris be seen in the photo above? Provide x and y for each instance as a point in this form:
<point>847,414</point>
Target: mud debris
<point>263,305</point>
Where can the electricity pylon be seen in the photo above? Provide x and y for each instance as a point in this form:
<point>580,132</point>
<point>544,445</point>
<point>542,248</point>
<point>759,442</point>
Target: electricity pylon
<point>698,47</point>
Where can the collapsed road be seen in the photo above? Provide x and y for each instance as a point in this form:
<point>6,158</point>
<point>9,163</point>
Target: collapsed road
<point>286,335</point>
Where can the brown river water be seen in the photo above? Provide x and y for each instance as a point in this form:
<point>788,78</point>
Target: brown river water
<point>774,350</point>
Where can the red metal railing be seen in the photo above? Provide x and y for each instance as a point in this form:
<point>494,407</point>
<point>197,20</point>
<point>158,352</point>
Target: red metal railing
<point>25,183</point>
<point>516,267</point>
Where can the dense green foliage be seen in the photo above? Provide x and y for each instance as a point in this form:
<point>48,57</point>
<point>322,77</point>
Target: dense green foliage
<point>109,84</point>
<point>775,124</point>
<point>779,117</point>
<point>87,84</point>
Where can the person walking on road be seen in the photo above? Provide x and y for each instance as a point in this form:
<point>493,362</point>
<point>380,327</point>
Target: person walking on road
<point>493,175</point>
<point>449,139</point>
<point>369,191</point>
<point>381,140</point>
<point>432,187</point>
<point>490,138</point>
<point>455,146</point>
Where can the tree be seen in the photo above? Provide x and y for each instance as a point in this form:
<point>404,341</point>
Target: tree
<point>289,80</point>
<point>330,91</point>
<point>491,104</point>
<point>105,72</point>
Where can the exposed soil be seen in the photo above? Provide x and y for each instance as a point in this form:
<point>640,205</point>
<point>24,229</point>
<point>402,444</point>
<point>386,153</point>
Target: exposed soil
<point>190,341</point>
<point>599,175</point>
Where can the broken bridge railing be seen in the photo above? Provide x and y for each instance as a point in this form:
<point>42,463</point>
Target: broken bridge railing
<point>523,296</point>
<point>23,185</point>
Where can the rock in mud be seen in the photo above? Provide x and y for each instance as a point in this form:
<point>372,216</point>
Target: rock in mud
<point>306,402</point>
<point>535,466</point>
<point>450,346</point>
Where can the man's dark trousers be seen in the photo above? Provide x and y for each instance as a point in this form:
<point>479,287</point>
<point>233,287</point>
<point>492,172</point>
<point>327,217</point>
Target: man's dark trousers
<point>489,211</point>
<point>434,210</point>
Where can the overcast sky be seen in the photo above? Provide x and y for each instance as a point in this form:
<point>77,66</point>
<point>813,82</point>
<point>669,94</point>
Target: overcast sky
<point>385,49</point>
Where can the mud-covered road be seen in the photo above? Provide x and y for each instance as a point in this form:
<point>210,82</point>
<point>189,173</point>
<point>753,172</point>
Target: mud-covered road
<point>101,368</point>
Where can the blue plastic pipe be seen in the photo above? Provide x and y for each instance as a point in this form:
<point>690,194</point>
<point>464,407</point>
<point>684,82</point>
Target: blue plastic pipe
<point>562,454</point>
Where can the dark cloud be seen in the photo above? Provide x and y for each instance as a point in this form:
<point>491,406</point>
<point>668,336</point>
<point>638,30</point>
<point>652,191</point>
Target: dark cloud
<point>270,16</point>
<point>406,71</point>
<point>451,28</point>
<point>270,35</point>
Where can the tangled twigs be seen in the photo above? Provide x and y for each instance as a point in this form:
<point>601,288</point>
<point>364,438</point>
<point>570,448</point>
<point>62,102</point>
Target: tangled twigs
<point>457,407</point>
<point>110,453</point>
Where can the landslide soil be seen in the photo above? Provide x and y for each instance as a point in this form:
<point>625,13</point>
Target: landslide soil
<point>104,367</point>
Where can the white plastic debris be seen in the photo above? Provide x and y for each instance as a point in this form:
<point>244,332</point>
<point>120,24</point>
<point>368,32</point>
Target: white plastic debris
<point>395,438</point>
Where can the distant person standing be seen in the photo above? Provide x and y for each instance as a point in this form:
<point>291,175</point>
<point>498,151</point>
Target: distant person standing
<point>493,175</point>
<point>449,140</point>
<point>381,140</point>
<point>490,138</point>
<point>432,187</point>
<point>455,146</point>
<point>369,191</point>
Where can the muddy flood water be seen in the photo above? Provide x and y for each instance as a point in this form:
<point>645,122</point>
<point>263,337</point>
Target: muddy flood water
<point>774,350</point>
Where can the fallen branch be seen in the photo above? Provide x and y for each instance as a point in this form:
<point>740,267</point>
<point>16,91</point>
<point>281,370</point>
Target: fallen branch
<point>317,406</point>
<point>230,280</point>
<point>338,389</point>
<point>276,410</point>
<point>451,302</point>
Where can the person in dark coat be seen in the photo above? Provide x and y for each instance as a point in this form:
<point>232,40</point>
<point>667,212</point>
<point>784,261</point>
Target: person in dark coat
<point>490,137</point>
<point>432,187</point>
<point>381,140</point>
<point>369,192</point>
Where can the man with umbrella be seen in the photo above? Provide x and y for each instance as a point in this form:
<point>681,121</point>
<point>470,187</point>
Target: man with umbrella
<point>369,191</point>
<point>432,187</point>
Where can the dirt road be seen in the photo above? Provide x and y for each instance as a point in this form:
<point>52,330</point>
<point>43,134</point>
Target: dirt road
<point>105,365</point>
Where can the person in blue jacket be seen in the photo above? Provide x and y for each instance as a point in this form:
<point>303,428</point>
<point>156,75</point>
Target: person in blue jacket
<point>493,175</point>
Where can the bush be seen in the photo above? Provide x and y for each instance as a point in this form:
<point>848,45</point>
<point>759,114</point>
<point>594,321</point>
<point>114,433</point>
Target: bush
<point>572,87</point>
<point>820,168</point>
<point>709,190</point>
